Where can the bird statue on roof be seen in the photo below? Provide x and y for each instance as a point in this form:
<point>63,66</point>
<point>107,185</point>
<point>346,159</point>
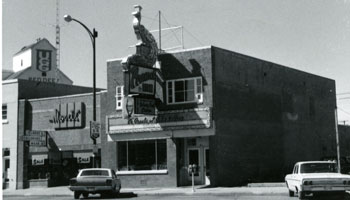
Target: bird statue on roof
<point>146,47</point>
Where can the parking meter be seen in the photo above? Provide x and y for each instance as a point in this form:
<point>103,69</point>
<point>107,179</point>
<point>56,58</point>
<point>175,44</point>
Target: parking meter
<point>191,170</point>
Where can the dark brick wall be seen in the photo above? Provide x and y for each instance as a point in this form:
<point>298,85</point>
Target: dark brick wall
<point>344,140</point>
<point>267,117</point>
<point>196,63</point>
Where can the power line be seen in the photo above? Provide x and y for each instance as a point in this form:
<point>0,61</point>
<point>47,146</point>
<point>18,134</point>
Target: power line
<point>194,37</point>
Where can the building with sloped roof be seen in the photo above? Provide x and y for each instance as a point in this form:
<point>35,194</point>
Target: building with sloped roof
<point>37,62</point>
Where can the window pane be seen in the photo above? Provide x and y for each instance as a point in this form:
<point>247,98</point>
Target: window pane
<point>179,96</point>
<point>189,95</point>
<point>4,112</point>
<point>161,154</point>
<point>122,159</point>
<point>141,155</point>
<point>179,86</point>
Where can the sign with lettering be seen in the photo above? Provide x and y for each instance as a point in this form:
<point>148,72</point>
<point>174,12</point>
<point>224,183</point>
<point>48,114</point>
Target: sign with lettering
<point>68,115</point>
<point>36,138</point>
<point>166,120</point>
<point>39,159</point>
<point>43,60</point>
<point>83,157</point>
<point>145,106</point>
<point>141,80</point>
<point>95,129</point>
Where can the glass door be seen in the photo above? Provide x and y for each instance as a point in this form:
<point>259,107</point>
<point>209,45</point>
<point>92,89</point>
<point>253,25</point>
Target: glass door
<point>194,158</point>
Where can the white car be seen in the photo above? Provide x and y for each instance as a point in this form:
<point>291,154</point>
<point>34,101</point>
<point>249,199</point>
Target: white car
<point>316,177</point>
<point>95,180</point>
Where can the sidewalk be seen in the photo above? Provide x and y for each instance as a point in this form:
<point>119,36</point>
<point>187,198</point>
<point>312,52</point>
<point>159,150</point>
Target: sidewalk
<point>252,189</point>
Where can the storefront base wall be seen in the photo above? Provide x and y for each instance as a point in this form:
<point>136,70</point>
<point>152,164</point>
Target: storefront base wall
<point>144,181</point>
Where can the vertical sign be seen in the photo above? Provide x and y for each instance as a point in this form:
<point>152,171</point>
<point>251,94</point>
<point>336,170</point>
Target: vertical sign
<point>43,60</point>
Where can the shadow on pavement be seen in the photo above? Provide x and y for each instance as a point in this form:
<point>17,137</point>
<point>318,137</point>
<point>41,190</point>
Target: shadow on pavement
<point>122,195</point>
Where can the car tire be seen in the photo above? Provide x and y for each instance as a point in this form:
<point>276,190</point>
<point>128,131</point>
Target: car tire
<point>76,195</point>
<point>85,194</point>
<point>301,195</point>
<point>291,193</point>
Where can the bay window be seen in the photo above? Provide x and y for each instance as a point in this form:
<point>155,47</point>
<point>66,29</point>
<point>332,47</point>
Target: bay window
<point>189,90</point>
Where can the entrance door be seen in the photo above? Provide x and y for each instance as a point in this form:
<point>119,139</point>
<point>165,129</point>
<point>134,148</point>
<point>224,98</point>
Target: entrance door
<point>206,166</point>
<point>194,158</point>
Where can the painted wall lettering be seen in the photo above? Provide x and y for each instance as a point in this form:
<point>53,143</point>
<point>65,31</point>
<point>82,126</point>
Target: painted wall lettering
<point>43,60</point>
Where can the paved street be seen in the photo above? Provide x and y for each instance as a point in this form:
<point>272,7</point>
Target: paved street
<point>181,197</point>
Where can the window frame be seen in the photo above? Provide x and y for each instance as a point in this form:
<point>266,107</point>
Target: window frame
<point>198,95</point>
<point>6,113</point>
<point>152,171</point>
<point>117,95</point>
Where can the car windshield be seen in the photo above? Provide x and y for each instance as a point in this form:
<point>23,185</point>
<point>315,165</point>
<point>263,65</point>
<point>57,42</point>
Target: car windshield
<point>317,167</point>
<point>94,173</point>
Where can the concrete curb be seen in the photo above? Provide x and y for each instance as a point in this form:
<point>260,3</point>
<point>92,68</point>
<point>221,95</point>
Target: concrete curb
<point>238,193</point>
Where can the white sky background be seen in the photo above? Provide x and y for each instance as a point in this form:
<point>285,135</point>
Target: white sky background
<point>309,35</point>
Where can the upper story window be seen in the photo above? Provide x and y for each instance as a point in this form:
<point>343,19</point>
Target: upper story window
<point>119,97</point>
<point>4,112</point>
<point>187,90</point>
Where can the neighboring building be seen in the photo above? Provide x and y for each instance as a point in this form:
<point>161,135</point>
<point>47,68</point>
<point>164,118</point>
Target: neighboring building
<point>238,118</point>
<point>344,144</point>
<point>37,62</point>
<point>35,75</point>
<point>15,121</point>
<point>65,121</point>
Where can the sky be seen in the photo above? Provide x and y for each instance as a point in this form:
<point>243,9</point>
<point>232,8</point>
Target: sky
<point>308,35</point>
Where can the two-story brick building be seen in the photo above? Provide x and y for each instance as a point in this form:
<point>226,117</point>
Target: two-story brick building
<point>238,118</point>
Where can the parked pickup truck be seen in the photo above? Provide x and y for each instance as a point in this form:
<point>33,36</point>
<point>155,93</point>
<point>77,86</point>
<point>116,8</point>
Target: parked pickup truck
<point>95,180</point>
<point>316,177</point>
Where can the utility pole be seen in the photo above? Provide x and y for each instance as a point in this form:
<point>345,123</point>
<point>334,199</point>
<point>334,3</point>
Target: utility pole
<point>160,31</point>
<point>337,138</point>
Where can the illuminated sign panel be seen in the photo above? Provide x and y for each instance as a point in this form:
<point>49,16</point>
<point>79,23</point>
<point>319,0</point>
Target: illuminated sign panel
<point>145,106</point>
<point>167,120</point>
<point>141,80</point>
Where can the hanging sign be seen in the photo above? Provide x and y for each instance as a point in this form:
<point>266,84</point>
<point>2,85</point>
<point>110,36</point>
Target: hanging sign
<point>95,129</point>
<point>141,80</point>
<point>36,138</point>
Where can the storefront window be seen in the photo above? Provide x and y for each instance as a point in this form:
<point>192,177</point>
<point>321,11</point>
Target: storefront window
<point>142,155</point>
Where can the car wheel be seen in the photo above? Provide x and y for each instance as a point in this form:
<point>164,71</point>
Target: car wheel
<point>76,195</point>
<point>291,193</point>
<point>301,195</point>
<point>85,195</point>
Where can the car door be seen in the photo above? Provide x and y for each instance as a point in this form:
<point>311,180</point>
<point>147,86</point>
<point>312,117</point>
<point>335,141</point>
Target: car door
<point>292,180</point>
<point>116,180</point>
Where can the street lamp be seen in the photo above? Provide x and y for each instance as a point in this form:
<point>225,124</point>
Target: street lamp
<point>93,36</point>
